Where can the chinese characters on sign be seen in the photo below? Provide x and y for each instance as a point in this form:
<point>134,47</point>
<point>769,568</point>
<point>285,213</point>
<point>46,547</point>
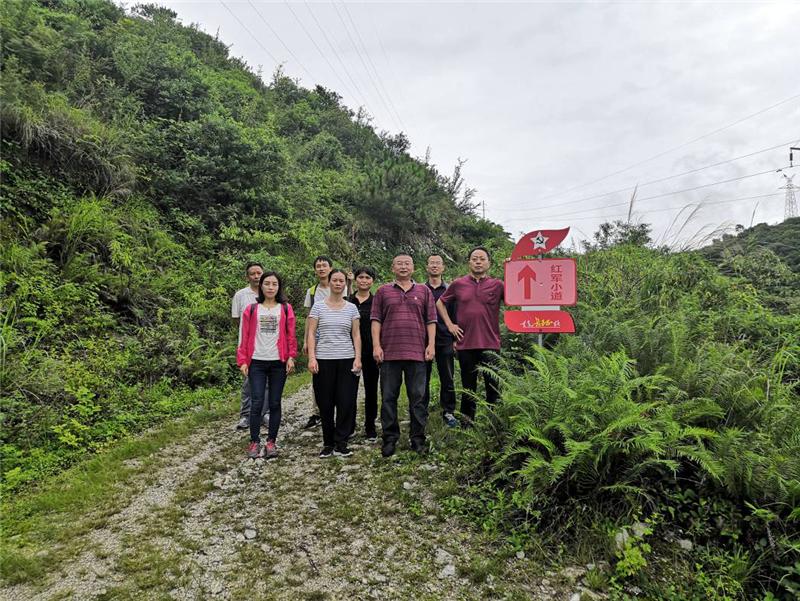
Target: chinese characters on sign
<point>540,286</point>
<point>541,282</point>
<point>542,322</point>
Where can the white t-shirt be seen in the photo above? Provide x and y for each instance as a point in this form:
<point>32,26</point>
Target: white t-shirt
<point>319,295</point>
<point>334,330</point>
<point>241,300</point>
<point>269,323</point>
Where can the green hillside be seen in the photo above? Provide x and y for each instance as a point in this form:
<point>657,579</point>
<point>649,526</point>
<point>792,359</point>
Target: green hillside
<point>783,239</point>
<point>767,256</point>
<point>142,166</point>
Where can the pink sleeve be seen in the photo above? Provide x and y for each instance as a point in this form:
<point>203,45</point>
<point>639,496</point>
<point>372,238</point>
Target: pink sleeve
<point>291,323</point>
<point>431,307</point>
<point>241,351</point>
<point>376,314</point>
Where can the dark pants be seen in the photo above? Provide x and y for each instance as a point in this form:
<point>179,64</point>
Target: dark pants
<point>369,370</point>
<point>392,375</point>
<point>262,373</point>
<point>445,365</point>
<point>244,410</point>
<point>470,361</point>
<point>336,389</point>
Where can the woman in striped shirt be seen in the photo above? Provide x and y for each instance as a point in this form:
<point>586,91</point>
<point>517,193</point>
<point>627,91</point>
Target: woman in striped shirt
<point>334,357</point>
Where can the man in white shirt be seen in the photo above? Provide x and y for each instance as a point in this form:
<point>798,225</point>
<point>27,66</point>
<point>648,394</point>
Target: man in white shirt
<point>241,300</point>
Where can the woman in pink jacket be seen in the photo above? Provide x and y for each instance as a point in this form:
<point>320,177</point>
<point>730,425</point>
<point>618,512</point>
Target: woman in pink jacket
<point>266,354</point>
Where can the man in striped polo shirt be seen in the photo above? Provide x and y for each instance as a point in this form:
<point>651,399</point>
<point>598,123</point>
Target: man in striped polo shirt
<point>403,337</point>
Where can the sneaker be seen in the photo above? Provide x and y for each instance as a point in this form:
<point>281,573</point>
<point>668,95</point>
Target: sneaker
<point>265,420</point>
<point>243,424</point>
<point>388,448</point>
<point>271,450</point>
<point>313,422</point>
<point>371,438</point>
<point>254,450</point>
<point>326,452</point>
<point>342,451</point>
<point>450,420</point>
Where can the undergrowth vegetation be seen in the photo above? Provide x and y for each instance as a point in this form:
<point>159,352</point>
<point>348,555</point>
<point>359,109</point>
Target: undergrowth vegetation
<point>664,436</point>
<point>142,166</point>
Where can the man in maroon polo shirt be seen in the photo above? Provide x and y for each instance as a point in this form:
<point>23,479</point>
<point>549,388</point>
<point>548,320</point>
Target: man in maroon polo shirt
<point>403,336</point>
<point>477,332</point>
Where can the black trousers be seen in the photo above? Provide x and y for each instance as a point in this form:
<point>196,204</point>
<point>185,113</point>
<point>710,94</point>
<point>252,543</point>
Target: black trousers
<point>469,361</point>
<point>371,373</point>
<point>445,365</point>
<point>336,387</point>
<point>392,375</point>
<point>266,377</point>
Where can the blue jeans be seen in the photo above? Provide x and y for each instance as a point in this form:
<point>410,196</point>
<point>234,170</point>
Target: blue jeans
<point>261,373</point>
<point>244,409</point>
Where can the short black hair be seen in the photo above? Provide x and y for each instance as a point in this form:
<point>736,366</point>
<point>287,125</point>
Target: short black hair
<point>280,296</point>
<point>322,258</point>
<point>365,269</point>
<point>483,248</point>
<point>252,264</point>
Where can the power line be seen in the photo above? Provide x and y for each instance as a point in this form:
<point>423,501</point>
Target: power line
<point>364,64</point>
<point>372,64</point>
<point>627,202</point>
<point>275,33</point>
<point>674,148</point>
<point>659,180</point>
<point>336,54</point>
<point>277,62</point>
<point>392,72</point>
<point>663,209</point>
<point>321,53</point>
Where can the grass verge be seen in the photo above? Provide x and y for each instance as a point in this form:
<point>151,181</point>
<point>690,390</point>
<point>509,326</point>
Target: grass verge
<point>43,527</point>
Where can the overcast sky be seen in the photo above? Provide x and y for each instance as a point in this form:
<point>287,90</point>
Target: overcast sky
<point>555,104</point>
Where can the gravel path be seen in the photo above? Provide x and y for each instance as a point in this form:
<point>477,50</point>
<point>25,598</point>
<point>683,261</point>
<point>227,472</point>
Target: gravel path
<point>211,524</point>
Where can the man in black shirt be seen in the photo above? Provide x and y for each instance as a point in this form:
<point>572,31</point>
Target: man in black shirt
<point>445,364</point>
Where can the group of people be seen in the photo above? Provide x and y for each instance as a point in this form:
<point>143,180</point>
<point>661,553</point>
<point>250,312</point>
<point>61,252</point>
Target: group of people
<point>390,337</point>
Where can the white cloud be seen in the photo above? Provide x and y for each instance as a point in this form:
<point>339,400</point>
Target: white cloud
<point>544,97</point>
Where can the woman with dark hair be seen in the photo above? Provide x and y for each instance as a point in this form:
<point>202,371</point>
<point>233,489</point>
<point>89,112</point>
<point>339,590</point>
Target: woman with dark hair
<point>334,357</point>
<point>362,299</point>
<point>266,354</point>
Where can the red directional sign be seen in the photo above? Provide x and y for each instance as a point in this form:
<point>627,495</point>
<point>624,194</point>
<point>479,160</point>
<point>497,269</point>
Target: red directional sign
<point>541,282</point>
<point>541,322</point>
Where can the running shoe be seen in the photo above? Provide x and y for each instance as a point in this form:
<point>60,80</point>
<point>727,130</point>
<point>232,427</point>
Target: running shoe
<point>313,422</point>
<point>450,420</point>
<point>254,450</point>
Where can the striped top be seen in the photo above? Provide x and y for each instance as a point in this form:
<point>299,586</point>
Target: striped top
<point>334,330</point>
<point>404,317</point>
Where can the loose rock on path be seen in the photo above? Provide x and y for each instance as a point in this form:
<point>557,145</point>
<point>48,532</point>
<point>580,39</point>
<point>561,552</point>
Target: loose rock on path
<point>212,524</point>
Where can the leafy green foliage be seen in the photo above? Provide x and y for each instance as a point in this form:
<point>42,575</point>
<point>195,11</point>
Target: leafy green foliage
<point>142,167</point>
<point>676,398</point>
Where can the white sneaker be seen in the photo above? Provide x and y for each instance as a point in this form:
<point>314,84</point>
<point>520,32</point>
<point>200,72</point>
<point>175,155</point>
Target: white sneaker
<point>243,424</point>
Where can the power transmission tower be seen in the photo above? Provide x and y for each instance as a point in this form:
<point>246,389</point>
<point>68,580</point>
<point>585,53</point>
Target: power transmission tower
<point>791,202</point>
